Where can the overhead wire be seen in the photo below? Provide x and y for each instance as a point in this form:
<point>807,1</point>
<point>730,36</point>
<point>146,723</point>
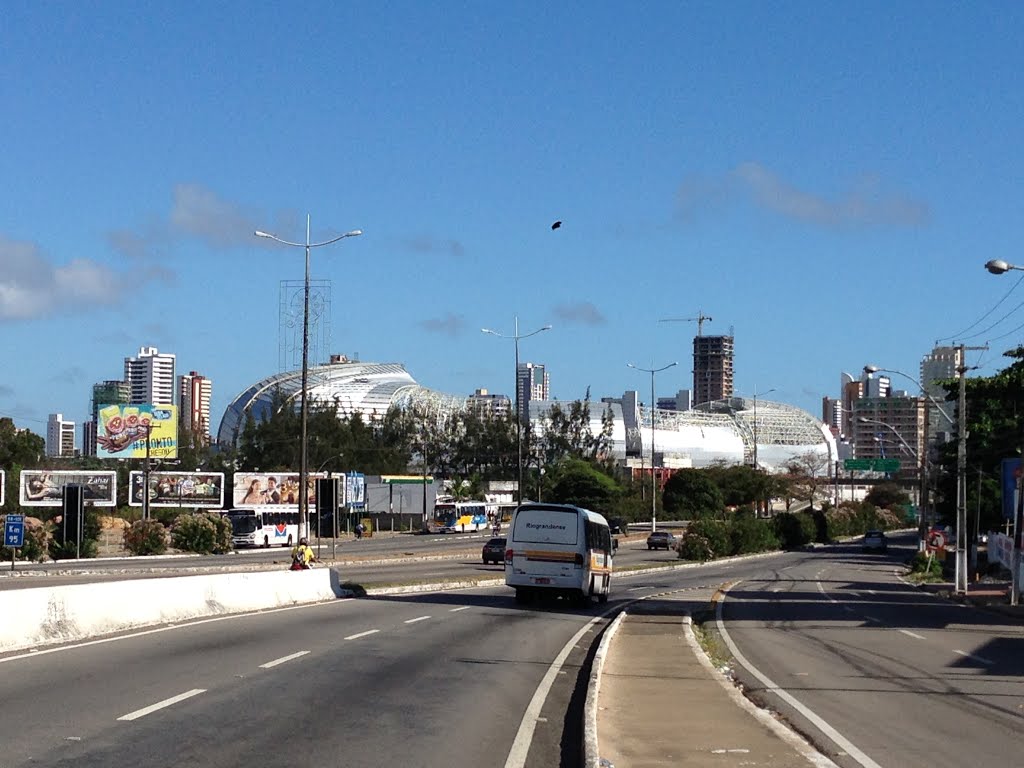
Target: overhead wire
<point>981,319</point>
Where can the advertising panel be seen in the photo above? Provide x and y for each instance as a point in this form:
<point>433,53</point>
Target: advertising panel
<point>3,486</point>
<point>179,489</point>
<point>271,489</point>
<point>45,488</point>
<point>1010,480</point>
<point>122,431</point>
<point>355,490</point>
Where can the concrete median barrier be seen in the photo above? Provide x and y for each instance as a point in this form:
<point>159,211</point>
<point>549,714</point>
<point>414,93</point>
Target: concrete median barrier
<point>46,615</point>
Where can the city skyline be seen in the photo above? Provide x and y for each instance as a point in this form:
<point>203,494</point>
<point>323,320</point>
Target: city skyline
<point>826,186</point>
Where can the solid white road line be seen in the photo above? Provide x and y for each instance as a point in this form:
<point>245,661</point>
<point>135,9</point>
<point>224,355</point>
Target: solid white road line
<point>521,745</point>
<point>161,704</point>
<point>363,634</point>
<point>282,660</point>
<point>841,741</point>
<point>456,610</point>
<point>418,618</point>
<point>972,657</point>
<point>912,634</point>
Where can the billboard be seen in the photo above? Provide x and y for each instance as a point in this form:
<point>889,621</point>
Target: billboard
<point>45,488</point>
<point>178,489</point>
<point>271,489</point>
<point>3,486</point>
<point>1010,480</point>
<point>122,431</point>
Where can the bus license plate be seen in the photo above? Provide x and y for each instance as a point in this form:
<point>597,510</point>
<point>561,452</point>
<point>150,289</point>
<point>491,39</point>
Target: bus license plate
<point>542,580</point>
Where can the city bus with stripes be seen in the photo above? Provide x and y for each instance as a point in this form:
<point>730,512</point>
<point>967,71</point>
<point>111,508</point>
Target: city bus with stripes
<point>460,516</point>
<point>558,549</point>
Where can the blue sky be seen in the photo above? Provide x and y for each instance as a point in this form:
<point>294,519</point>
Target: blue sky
<point>825,180</point>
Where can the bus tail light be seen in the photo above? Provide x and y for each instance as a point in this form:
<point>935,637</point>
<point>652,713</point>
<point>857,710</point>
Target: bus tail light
<point>578,560</point>
<point>508,555</point>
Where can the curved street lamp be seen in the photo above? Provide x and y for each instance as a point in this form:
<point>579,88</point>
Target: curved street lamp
<point>960,587</point>
<point>998,267</point>
<point>304,405</point>
<point>654,476</point>
<point>516,336</point>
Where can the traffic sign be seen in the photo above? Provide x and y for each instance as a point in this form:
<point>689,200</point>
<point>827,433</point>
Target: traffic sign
<point>14,531</point>
<point>873,465</point>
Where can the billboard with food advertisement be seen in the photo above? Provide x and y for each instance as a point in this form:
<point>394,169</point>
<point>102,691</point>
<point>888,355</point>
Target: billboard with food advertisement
<point>271,489</point>
<point>178,489</point>
<point>129,431</point>
<point>45,488</point>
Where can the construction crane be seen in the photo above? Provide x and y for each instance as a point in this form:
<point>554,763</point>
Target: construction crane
<point>699,320</point>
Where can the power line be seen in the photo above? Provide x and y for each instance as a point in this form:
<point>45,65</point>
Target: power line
<point>982,318</point>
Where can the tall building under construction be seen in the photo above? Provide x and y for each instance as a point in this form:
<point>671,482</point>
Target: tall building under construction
<point>712,368</point>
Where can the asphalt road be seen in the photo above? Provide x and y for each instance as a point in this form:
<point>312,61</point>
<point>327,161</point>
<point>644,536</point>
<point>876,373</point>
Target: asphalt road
<point>455,679</point>
<point>875,671</point>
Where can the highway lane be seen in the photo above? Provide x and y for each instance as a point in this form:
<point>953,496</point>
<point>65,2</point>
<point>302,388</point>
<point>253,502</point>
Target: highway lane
<point>398,560</point>
<point>439,679</point>
<point>875,671</point>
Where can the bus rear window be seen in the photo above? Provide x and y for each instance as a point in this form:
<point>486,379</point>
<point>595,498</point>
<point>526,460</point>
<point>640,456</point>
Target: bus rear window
<point>545,526</point>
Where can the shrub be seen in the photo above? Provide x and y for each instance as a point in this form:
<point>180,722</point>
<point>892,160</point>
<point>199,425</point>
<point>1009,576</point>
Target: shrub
<point>146,537</point>
<point>714,532</point>
<point>794,530</point>
<point>693,546</point>
<point>66,549</point>
<point>203,532</point>
<point>929,567</point>
<point>748,534</point>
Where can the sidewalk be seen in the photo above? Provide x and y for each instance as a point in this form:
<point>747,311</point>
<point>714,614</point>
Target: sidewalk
<point>661,703</point>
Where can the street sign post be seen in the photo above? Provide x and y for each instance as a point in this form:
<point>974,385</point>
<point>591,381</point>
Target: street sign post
<point>14,534</point>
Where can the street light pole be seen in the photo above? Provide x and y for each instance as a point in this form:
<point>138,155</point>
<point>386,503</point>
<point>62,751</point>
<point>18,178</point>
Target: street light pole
<point>304,404</point>
<point>922,488</point>
<point>654,476</point>
<point>516,336</point>
<point>998,267</point>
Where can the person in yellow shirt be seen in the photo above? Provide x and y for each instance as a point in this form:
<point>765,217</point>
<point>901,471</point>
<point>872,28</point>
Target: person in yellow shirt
<point>302,556</point>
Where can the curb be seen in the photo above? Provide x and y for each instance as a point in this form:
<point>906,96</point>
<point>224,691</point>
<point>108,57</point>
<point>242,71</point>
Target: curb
<point>591,752</point>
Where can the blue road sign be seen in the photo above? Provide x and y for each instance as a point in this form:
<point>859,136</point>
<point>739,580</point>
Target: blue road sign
<point>14,531</point>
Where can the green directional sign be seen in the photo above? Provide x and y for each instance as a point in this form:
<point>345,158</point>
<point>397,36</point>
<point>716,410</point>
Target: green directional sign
<point>872,465</point>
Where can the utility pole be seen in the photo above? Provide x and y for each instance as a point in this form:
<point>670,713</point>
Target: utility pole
<point>962,531</point>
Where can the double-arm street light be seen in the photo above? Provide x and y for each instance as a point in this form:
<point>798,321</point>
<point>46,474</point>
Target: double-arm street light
<point>516,336</point>
<point>654,476</point>
<point>961,465</point>
<point>998,267</point>
<point>304,408</point>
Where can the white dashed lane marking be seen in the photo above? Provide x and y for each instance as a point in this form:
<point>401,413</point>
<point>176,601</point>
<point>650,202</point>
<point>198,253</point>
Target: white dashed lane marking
<point>283,659</point>
<point>972,657</point>
<point>914,635</point>
<point>418,618</point>
<point>161,704</point>
<point>362,634</point>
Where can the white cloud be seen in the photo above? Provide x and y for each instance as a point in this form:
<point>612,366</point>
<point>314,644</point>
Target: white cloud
<point>448,324</point>
<point>865,203</point>
<point>31,286</point>
<point>199,212</point>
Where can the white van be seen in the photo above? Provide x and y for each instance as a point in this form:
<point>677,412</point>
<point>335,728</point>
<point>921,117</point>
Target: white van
<point>558,549</point>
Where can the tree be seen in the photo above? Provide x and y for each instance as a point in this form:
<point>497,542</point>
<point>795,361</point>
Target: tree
<point>19,449</point>
<point>887,496</point>
<point>691,494</point>
<point>807,473</point>
<point>580,482</point>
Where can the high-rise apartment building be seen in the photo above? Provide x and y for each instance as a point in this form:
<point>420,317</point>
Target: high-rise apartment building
<point>487,405</point>
<point>111,392</point>
<point>150,377</point>
<point>943,364</point>
<point>60,437</point>
<point>532,383</point>
<point>890,427</point>
<point>712,368</point>
<point>194,391</point>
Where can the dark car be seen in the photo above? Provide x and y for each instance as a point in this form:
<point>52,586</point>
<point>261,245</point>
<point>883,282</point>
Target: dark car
<point>494,551</point>
<point>875,541</point>
<point>661,540</point>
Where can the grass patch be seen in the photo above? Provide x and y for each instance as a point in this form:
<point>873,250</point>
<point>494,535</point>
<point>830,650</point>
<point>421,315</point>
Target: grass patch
<point>710,641</point>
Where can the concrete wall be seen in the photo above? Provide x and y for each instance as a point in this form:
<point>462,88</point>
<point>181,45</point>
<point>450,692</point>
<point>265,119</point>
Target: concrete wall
<point>42,615</point>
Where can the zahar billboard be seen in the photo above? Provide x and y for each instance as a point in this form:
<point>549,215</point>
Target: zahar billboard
<point>45,488</point>
<point>271,489</point>
<point>178,489</point>
<point>122,431</point>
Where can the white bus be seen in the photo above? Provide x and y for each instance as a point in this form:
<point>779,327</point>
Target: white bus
<point>558,549</point>
<point>460,516</point>
<point>263,527</point>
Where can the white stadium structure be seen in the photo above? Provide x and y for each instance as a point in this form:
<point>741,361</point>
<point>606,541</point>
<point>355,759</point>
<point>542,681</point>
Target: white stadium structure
<point>721,432</point>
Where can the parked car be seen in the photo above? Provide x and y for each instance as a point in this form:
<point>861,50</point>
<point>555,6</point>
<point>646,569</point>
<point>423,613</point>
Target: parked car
<point>494,551</point>
<point>875,541</point>
<point>661,540</point>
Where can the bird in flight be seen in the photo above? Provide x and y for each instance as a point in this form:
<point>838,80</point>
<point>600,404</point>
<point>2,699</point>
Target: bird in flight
<point>556,225</point>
